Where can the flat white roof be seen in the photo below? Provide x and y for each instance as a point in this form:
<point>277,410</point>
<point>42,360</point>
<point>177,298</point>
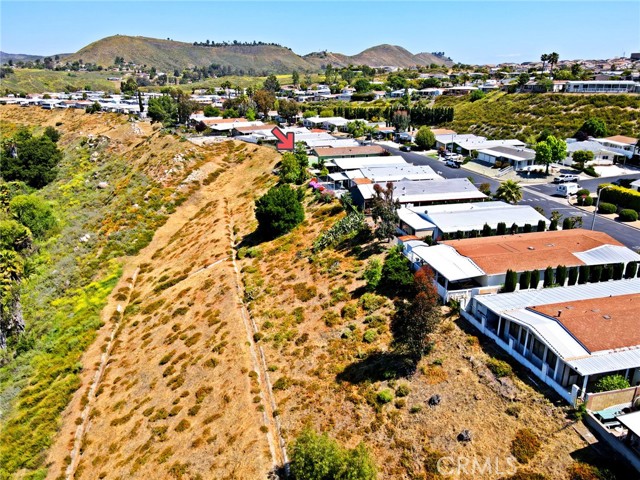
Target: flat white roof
<point>357,163</point>
<point>399,172</point>
<point>414,220</point>
<point>515,300</point>
<point>327,142</point>
<point>447,261</point>
<point>631,421</point>
<point>429,190</point>
<point>608,254</point>
<point>473,216</point>
<point>550,331</point>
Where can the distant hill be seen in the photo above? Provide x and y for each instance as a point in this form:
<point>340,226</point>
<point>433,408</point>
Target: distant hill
<point>167,55</point>
<point>18,57</point>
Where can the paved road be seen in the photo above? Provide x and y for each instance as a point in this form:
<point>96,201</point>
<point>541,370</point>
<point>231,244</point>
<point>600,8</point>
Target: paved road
<point>537,196</point>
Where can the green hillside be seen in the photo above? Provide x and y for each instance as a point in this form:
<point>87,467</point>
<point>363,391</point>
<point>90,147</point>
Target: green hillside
<point>25,80</point>
<point>524,116</point>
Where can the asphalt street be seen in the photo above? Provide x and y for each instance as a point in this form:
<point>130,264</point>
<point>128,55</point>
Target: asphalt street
<point>538,196</point>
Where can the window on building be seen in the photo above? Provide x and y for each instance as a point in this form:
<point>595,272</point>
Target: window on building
<point>538,348</point>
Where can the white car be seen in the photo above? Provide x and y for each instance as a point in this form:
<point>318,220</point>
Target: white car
<point>565,178</point>
<point>452,163</point>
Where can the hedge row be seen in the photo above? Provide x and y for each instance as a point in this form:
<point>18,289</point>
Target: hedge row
<point>620,196</point>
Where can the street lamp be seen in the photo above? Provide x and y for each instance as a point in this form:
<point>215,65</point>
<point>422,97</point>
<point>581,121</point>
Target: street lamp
<point>593,222</point>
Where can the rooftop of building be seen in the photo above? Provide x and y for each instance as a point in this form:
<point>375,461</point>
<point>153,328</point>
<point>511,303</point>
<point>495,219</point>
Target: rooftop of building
<point>599,323</point>
<point>531,251</point>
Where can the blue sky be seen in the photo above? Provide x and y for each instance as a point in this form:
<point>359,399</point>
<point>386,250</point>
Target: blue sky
<point>469,32</point>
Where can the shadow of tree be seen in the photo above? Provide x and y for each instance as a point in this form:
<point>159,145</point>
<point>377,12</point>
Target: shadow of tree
<point>379,366</point>
<point>251,240</point>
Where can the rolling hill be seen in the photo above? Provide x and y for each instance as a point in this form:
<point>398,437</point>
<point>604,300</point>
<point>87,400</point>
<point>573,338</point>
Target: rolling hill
<point>167,55</point>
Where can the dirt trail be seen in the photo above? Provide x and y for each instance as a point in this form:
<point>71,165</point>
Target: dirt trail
<point>167,387</point>
<point>260,364</point>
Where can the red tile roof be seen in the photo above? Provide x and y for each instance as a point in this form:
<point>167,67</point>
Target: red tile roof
<point>530,251</point>
<point>599,323</point>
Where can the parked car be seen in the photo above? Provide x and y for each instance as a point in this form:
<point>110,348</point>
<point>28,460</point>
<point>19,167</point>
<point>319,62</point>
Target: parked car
<point>567,189</point>
<point>566,177</point>
<point>405,148</point>
<point>452,163</point>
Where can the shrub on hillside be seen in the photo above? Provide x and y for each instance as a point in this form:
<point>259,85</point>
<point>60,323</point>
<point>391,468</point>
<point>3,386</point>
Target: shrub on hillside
<point>525,445</point>
<point>34,213</point>
<point>318,457</point>
<point>628,215</point>
<point>499,368</point>
<point>396,273</point>
<point>606,208</point>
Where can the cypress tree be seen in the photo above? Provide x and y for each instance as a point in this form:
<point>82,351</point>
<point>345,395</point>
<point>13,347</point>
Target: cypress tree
<point>595,274</point>
<point>553,225</point>
<point>583,275</point>
<point>486,230</point>
<point>527,228</point>
<point>514,229</point>
<point>525,280</point>
<point>501,229</point>
<point>535,278</point>
<point>573,275</point>
<point>561,275</point>
<point>618,270</point>
<point>542,226</point>
<point>548,277</point>
<point>631,270</point>
<point>510,281</point>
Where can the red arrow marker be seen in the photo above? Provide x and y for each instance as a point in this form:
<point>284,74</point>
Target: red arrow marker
<point>285,142</point>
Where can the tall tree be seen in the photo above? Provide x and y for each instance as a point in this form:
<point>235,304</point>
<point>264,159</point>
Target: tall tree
<point>295,77</point>
<point>33,160</point>
<point>553,60</point>
<point>544,154</point>
<point>265,100</point>
<point>544,58</point>
<point>384,211</point>
<point>288,109</point>
<point>413,322</point>
<point>272,84</point>
<point>558,149</point>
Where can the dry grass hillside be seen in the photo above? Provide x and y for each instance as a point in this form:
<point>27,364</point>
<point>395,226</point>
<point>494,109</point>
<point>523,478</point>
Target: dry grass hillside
<point>177,395</point>
<point>167,55</point>
<point>327,348</point>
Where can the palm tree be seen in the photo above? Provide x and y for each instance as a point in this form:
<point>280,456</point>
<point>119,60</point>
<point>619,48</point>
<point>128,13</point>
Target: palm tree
<point>509,191</point>
<point>545,58</point>
<point>553,60</point>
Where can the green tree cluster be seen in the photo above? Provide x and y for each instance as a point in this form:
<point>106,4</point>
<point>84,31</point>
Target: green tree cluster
<point>318,457</point>
<point>29,159</point>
